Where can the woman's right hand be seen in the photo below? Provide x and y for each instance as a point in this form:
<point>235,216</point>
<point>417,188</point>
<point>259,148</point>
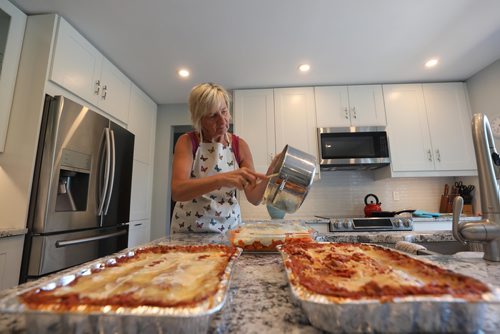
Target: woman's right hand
<point>241,178</point>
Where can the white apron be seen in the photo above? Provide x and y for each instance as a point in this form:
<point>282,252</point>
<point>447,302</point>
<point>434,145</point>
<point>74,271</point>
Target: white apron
<point>218,210</point>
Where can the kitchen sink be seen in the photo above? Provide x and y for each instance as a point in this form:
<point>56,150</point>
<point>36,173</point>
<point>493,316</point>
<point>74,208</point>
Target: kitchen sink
<point>448,247</point>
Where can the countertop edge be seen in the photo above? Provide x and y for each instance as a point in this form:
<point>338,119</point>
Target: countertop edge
<point>12,232</point>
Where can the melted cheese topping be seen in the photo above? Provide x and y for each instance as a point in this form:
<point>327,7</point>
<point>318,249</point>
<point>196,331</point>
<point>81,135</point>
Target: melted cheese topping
<point>267,232</point>
<point>172,277</point>
<point>359,271</point>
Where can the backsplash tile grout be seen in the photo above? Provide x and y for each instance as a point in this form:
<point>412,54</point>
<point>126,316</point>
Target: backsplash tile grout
<point>342,193</point>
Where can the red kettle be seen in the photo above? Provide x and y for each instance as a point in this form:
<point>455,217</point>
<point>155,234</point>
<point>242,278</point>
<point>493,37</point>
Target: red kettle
<point>372,207</point>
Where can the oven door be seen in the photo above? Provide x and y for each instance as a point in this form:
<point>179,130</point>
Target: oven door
<point>351,147</point>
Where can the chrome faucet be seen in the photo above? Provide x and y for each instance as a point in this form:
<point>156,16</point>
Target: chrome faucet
<point>486,230</point>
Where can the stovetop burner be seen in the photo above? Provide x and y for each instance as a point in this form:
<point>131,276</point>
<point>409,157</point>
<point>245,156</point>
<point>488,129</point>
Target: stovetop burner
<point>349,224</point>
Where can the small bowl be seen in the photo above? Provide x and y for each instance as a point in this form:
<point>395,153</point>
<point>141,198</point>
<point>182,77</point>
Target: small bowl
<point>274,212</point>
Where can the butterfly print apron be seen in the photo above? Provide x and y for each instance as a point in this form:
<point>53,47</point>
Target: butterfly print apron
<point>218,210</point>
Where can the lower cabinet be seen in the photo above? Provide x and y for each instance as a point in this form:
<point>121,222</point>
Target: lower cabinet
<point>138,233</point>
<point>11,251</point>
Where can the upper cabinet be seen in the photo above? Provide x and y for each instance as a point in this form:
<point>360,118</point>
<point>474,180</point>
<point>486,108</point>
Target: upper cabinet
<point>450,126</point>
<point>269,119</point>
<point>340,106</point>
<point>12,25</point>
<point>80,68</point>
<point>429,131</point>
<point>295,119</point>
<point>254,122</point>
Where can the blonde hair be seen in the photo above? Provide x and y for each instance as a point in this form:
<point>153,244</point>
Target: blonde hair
<point>203,99</point>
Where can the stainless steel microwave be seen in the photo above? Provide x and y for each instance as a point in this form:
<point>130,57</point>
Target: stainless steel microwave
<point>345,148</point>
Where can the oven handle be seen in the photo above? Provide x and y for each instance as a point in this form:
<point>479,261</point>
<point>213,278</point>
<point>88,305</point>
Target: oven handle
<point>72,242</point>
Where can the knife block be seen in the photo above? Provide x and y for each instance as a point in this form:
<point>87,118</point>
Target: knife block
<point>449,204</point>
<point>468,210</point>
<point>443,206</point>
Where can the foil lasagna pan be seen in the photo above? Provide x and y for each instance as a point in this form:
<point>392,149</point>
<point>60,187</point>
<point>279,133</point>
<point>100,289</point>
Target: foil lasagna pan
<point>443,314</point>
<point>142,319</point>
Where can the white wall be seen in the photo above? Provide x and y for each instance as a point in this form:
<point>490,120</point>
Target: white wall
<point>168,116</point>
<point>484,97</point>
<point>484,92</point>
<point>18,160</point>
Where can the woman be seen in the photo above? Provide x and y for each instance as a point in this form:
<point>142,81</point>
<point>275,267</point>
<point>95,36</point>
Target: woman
<point>209,165</point>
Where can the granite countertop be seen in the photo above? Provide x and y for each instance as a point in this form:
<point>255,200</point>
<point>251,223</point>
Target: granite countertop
<point>11,232</point>
<point>259,300</point>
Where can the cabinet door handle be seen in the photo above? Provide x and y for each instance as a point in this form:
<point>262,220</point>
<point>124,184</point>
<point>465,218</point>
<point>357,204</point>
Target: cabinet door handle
<point>354,112</point>
<point>104,92</point>
<point>97,87</point>
<point>438,156</point>
<point>429,155</point>
<point>346,113</point>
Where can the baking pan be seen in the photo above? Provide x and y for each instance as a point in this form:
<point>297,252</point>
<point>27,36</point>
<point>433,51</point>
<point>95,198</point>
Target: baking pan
<point>143,319</point>
<point>263,237</point>
<point>444,314</point>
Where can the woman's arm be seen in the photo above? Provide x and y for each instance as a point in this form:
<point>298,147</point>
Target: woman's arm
<point>184,188</point>
<point>253,192</point>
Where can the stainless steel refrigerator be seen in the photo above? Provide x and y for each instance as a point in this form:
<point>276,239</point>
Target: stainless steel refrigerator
<point>80,200</point>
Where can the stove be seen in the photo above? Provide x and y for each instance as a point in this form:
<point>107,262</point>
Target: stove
<point>373,224</point>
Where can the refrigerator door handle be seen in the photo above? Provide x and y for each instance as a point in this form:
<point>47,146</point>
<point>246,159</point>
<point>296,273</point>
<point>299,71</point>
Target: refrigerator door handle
<point>65,243</point>
<point>113,168</point>
<point>104,184</point>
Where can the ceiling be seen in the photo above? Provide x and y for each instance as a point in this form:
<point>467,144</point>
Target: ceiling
<point>260,43</point>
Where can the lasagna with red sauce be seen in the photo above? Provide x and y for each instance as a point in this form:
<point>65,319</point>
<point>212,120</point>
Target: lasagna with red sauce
<point>265,236</point>
<point>345,271</point>
<point>161,276</point>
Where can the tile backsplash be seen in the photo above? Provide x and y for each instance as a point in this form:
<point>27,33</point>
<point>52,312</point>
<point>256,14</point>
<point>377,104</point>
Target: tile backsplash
<point>343,192</point>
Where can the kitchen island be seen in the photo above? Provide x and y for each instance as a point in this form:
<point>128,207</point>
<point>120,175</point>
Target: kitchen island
<point>259,300</point>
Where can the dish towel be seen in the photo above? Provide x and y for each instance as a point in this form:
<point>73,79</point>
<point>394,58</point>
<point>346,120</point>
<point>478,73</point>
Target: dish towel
<point>425,214</point>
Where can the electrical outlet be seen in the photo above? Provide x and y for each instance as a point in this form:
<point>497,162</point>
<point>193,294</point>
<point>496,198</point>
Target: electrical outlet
<point>395,195</point>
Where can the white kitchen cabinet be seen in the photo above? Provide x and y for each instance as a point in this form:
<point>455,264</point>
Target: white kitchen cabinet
<point>269,119</point>
<point>340,106</point>
<point>254,122</point>
<point>138,233</point>
<point>11,251</point>
<point>140,199</point>
<point>428,129</point>
<point>142,123</point>
<point>12,26</point>
<point>450,126</point>
<point>80,68</point>
<point>115,91</point>
<point>295,119</point>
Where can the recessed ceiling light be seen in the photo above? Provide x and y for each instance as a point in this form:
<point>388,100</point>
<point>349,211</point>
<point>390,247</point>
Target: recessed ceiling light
<point>432,62</point>
<point>304,67</point>
<point>183,73</point>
